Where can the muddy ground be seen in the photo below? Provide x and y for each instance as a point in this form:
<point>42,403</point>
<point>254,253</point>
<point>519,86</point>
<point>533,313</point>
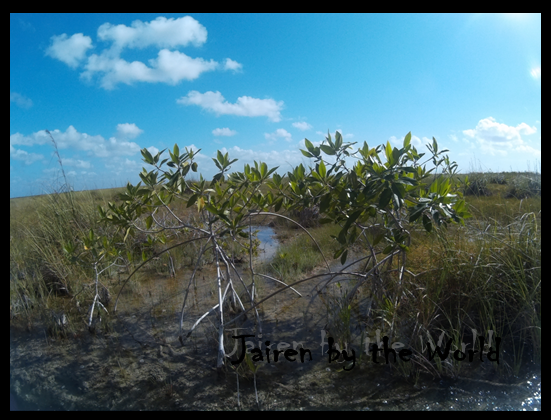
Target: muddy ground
<point>136,362</point>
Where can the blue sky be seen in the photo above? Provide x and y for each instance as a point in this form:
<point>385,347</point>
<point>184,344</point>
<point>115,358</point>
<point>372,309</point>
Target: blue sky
<point>107,85</point>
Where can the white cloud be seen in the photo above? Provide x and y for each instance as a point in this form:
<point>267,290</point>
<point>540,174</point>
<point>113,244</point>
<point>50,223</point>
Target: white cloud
<point>230,64</point>
<point>76,162</point>
<point>161,32</point>
<point>69,50</point>
<point>22,155</point>
<point>169,67</point>
<point>279,133</point>
<point>245,105</point>
<point>71,139</point>
<point>124,166</point>
<point>20,100</point>
<point>224,132</point>
<point>129,131</point>
<point>499,138</point>
<point>302,125</point>
<point>40,137</point>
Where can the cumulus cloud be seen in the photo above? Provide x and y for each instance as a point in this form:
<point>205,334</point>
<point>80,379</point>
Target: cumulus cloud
<point>161,32</point>
<point>302,125</point>
<point>279,133</point>
<point>124,166</point>
<point>20,100</point>
<point>230,64</point>
<point>129,131</point>
<point>245,105</point>
<point>499,138</point>
<point>170,66</point>
<point>70,50</point>
<point>95,146</point>
<point>22,155</point>
<point>224,132</point>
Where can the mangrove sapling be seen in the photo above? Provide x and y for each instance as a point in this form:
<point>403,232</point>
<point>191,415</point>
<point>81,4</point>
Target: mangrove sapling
<point>101,255</point>
<point>393,193</point>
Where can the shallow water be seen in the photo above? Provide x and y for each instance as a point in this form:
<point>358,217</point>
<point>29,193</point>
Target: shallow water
<point>268,243</point>
<point>140,364</point>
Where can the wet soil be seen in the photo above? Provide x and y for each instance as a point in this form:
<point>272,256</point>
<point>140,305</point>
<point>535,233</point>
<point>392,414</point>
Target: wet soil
<point>136,362</point>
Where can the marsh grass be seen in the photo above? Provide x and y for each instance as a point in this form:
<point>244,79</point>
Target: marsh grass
<point>39,271</point>
<point>484,276</point>
<point>300,255</point>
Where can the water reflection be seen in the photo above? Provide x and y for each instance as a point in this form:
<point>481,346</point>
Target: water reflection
<point>268,243</point>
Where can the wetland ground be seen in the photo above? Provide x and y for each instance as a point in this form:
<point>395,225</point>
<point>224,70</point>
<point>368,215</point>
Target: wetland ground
<point>138,363</point>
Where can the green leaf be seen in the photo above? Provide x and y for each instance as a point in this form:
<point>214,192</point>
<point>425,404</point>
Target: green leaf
<point>220,158</point>
<point>388,151</point>
<point>388,249</point>
<point>417,212</point>
<point>338,139</point>
<point>327,149</point>
<point>192,200</point>
<point>325,203</point>
<point>344,254</point>
<point>263,169</point>
<point>338,253</point>
<point>407,140</point>
<point>322,169</point>
<point>307,154</point>
<point>217,163</point>
<point>377,239</point>
<point>309,145</point>
<point>386,195</point>
<point>427,223</point>
<point>147,156</point>
<point>148,222</point>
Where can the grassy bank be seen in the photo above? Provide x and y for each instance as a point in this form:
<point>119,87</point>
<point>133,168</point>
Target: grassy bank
<point>483,276</point>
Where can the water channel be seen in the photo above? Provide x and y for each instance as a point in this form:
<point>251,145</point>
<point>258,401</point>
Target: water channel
<point>139,364</point>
